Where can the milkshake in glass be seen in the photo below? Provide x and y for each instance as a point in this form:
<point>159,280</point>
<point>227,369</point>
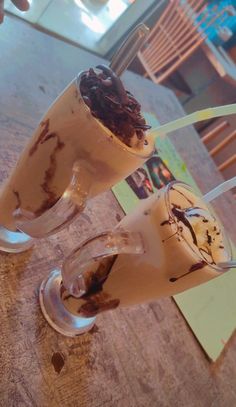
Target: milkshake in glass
<point>95,126</point>
<point>171,242</point>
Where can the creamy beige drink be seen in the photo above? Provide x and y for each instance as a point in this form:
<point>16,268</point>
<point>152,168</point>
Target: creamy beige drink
<point>182,245</point>
<point>79,127</point>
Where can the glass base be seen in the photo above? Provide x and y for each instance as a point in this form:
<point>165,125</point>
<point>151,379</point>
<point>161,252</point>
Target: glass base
<point>14,242</point>
<point>54,311</point>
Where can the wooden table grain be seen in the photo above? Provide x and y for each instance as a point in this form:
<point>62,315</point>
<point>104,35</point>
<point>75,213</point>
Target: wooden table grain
<point>144,356</point>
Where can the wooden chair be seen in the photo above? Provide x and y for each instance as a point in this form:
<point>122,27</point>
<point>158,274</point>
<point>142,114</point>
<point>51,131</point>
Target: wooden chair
<point>220,140</point>
<point>174,38</point>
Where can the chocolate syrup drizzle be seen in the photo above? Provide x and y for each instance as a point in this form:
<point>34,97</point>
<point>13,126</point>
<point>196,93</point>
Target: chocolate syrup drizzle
<point>180,215</point>
<point>94,283</point>
<point>194,267</point>
<point>109,102</point>
<point>95,299</point>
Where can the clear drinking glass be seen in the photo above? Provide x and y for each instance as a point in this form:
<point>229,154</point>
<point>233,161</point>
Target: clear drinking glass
<point>70,158</point>
<point>171,242</point>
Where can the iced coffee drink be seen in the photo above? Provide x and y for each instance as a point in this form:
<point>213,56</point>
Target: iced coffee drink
<point>181,245</point>
<point>94,123</point>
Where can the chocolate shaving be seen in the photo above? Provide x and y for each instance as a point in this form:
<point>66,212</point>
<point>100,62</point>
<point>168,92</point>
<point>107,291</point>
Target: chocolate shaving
<point>209,238</point>
<point>115,107</point>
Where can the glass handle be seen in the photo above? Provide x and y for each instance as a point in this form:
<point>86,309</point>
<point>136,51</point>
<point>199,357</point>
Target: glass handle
<point>71,203</point>
<point>81,268</point>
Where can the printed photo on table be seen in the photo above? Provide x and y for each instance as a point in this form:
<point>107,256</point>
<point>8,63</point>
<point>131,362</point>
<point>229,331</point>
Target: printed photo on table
<point>140,183</point>
<point>159,172</point>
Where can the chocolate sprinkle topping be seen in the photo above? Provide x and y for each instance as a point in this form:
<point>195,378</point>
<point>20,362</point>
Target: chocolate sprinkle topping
<point>109,102</point>
<point>209,238</point>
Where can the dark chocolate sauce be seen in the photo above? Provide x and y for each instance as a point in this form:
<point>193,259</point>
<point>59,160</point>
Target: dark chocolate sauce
<point>95,299</point>
<point>49,175</point>
<point>181,216</point>
<point>194,267</point>
<point>42,135</point>
<point>91,308</point>
<point>94,284</point>
<point>58,361</point>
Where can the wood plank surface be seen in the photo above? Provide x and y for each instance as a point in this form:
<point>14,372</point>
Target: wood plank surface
<point>144,356</point>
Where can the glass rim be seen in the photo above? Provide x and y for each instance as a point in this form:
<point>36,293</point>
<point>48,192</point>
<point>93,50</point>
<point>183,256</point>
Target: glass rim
<point>114,139</point>
<point>212,212</point>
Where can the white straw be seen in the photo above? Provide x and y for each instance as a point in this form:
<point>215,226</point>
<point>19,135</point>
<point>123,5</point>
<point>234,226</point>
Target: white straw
<point>192,118</point>
<point>227,265</point>
<point>220,189</point>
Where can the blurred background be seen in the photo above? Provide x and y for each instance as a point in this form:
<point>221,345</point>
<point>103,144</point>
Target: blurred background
<point>191,49</point>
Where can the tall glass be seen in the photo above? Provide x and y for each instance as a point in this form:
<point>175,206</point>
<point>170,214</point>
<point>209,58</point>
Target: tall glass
<point>70,158</point>
<point>171,242</point>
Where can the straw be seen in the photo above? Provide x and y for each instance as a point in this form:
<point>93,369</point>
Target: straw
<point>227,265</point>
<point>220,189</point>
<point>129,49</point>
<point>192,118</point>
<point>214,193</point>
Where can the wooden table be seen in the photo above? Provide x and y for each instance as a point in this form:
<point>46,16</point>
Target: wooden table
<point>141,356</point>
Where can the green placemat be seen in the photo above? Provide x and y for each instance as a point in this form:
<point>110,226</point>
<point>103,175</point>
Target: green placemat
<point>166,151</point>
<point>209,309</point>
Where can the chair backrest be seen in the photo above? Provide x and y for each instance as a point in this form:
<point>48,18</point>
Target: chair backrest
<point>220,140</point>
<point>174,38</point>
